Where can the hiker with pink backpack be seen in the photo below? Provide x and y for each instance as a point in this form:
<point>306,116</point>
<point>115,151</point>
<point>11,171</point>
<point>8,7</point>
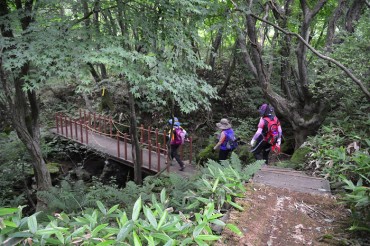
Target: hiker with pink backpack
<point>178,138</point>
<point>268,135</point>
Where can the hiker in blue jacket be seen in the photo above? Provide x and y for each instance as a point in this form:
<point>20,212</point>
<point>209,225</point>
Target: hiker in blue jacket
<point>227,133</point>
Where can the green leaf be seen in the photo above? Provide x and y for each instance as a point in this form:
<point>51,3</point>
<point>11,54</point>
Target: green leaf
<point>235,205</point>
<point>8,223</point>
<point>112,209</point>
<point>125,230</point>
<point>163,196</point>
<point>32,223</point>
<point>200,242</point>
<point>234,229</point>
<point>215,185</point>
<point>150,216</point>
<point>137,209</point>
<point>162,220</point>
<point>150,240</point>
<point>198,229</point>
<point>137,241</point>
<point>101,207</point>
<point>60,236</point>
<point>97,229</point>
<point>107,243</point>
<point>164,237</point>
<point>207,237</point>
<point>8,211</point>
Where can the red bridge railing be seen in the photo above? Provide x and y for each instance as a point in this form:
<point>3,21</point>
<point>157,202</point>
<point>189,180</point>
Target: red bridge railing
<point>153,140</point>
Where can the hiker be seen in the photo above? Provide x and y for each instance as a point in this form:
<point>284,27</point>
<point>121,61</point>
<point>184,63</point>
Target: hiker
<point>268,134</point>
<point>177,139</point>
<point>227,135</point>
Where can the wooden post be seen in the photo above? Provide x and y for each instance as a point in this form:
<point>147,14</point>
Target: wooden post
<point>75,121</point>
<point>99,121</point>
<point>94,121</point>
<point>56,122</point>
<point>158,157</point>
<point>61,124</point>
<point>164,138</point>
<point>118,149</point>
<point>150,154</point>
<point>141,134</point>
<point>167,159</point>
<point>86,127</point>
<point>81,131</point>
<point>156,136</point>
<point>190,150</point>
<point>66,124</point>
<point>70,127</point>
<point>125,141</point>
<point>104,124</point>
<point>111,126</point>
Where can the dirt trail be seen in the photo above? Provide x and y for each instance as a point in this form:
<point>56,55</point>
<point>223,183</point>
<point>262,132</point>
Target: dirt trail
<point>283,216</point>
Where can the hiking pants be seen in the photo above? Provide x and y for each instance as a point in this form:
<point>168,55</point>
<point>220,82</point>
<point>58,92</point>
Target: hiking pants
<point>223,154</point>
<point>262,151</point>
<point>175,155</point>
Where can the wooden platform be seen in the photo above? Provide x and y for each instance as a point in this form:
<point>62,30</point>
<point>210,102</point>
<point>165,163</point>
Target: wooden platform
<point>292,180</point>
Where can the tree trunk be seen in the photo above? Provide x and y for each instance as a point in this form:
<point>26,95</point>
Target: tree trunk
<point>23,107</point>
<point>136,150</point>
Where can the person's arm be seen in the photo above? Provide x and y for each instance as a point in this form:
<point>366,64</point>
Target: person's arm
<point>280,134</point>
<point>221,140</point>
<point>258,132</point>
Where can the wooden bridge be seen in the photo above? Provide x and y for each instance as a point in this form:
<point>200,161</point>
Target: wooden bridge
<point>105,135</point>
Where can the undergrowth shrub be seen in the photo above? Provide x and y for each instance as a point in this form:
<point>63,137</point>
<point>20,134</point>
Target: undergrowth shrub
<point>340,152</point>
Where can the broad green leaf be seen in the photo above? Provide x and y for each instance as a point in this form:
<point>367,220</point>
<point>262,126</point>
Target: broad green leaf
<point>162,220</point>
<point>169,243</point>
<point>32,224</point>
<point>101,207</point>
<point>215,185</point>
<point>150,240</point>
<point>137,241</point>
<point>162,236</point>
<point>235,205</point>
<point>112,209</point>
<point>136,209</point>
<point>125,230</point>
<point>163,196</point>
<point>95,232</point>
<point>149,215</point>
<point>234,229</point>
<point>207,237</point>
<point>8,211</point>
<point>107,243</point>
<point>198,229</point>
<point>60,237</point>
<point>8,223</point>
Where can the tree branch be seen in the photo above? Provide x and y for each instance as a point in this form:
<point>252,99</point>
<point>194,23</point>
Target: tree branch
<point>341,66</point>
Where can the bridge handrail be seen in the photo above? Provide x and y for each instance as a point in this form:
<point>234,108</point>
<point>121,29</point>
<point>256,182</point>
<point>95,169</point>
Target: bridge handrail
<point>152,140</point>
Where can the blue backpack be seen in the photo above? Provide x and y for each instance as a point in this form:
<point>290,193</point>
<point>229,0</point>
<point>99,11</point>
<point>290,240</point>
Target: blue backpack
<point>232,143</point>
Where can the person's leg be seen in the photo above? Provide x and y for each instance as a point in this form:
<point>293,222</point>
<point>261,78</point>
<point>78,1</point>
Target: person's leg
<point>266,153</point>
<point>223,154</point>
<point>176,156</point>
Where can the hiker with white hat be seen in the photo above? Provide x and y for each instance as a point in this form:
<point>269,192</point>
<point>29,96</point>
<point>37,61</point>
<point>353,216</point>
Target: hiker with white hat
<point>227,135</point>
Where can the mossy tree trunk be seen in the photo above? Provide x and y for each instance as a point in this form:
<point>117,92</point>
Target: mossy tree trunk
<point>21,106</point>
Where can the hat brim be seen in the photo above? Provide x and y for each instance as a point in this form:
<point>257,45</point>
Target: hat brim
<point>223,127</point>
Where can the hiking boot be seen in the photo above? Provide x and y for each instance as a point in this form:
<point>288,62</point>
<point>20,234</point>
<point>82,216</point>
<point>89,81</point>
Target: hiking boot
<point>182,168</point>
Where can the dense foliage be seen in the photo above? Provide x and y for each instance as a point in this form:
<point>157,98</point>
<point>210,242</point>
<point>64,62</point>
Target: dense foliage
<point>153,217</point>
<point>341,153</point>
